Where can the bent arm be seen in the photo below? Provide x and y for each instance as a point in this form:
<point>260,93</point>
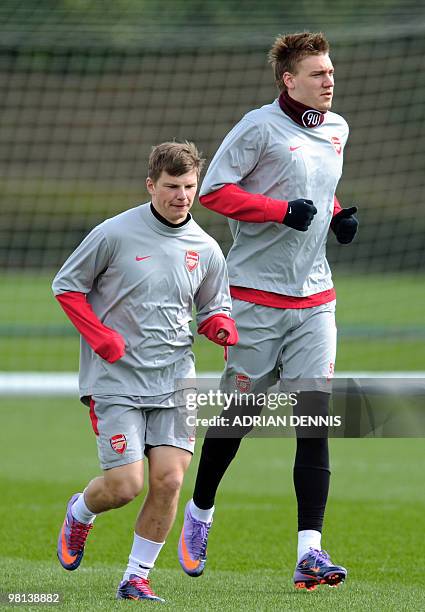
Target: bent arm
<point>213,303</point>
<point>72,284</point>
<point>222,188</point>
<point>234,202</point>
<point>106,342</point>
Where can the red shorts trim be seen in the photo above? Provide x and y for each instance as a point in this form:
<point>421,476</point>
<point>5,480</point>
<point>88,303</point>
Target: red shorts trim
<point>93,417</point>
<point>275,300</point>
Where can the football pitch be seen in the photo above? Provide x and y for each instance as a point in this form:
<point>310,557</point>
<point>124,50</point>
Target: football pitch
<point>373,525</point>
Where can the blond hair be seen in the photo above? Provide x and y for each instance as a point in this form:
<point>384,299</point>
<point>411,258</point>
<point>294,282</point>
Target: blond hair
<point>289,49</point>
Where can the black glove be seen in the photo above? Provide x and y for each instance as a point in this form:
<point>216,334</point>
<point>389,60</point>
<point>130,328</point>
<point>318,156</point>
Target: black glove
<point>300,214</point>
<point>345,225</point>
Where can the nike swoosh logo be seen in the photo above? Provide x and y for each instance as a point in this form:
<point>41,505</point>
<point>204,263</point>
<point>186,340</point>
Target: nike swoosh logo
<point>187,560</point>
<point>294,148</point>
<point>142,258</point>
<point>64,550</point>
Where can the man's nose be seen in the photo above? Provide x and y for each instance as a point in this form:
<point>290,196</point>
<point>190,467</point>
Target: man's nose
<point>182,194</point>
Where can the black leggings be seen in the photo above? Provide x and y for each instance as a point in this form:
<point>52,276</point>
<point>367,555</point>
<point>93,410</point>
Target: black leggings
<point>311,467</point>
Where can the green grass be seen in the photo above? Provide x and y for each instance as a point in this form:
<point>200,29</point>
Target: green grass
<point>373,522</point>
<point>380,301</point>
<point>380,324</point>
<point>380,355</point>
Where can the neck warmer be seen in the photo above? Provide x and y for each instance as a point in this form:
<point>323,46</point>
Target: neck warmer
<point>300,113</point>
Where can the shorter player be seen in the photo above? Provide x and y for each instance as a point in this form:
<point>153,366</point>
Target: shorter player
<point>129,288</point>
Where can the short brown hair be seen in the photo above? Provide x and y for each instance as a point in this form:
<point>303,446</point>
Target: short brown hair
<point>176,158</point>
<point>289,49</point>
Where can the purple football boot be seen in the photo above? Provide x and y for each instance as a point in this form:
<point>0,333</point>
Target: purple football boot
<point>316,567</point>
<point>137,588</point>
<point>72,538</point>
<point>193,540</point>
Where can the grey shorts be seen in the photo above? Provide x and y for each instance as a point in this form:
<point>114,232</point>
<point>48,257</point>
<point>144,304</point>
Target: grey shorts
<point>294,346</point>
<point>127,426</point>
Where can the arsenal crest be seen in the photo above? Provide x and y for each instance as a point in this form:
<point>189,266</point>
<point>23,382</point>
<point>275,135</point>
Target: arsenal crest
<point>192,260</point>
<point>243,383</point>
<point>118,443</point>
<point>337,144</point>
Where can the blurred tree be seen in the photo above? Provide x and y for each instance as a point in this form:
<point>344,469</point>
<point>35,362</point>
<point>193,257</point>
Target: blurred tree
<point>104,16</point>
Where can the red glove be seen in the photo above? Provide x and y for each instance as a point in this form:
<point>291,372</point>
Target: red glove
<point>106,342</point>
<point>216,323</point>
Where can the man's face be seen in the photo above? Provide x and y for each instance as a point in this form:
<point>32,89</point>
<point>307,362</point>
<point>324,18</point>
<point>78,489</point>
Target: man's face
<point>313,82</point>
<point>172,196</point>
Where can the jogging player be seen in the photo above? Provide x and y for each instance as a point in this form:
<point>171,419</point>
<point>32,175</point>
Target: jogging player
<point>274,176</point>
<point>129,288</point>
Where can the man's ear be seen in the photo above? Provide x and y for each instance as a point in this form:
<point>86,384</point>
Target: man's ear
<point>288,80</point>
<point>150,185</point>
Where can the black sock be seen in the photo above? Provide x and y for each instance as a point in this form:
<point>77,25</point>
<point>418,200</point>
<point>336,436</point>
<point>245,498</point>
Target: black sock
<point>219,449</point>
<point>216,456</point>
<point>311,481</point>
<point>311,467</point>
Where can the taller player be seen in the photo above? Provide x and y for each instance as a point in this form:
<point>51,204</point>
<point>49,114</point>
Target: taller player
<point>274,176</point>
<point>129,289</point>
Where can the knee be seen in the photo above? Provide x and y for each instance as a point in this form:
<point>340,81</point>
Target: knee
<point>220,451</point>
<point>123,492</point>
<point>167,484</point>
<point>313,403</point>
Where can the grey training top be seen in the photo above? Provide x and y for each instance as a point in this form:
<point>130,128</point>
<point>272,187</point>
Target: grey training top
<point>268,153</point>
<point>142,278</point>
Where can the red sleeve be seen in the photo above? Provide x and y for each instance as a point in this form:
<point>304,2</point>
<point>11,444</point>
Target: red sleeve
<point>337,207</point>
<point>232,201</point>
<point>211,326</point>
<point>106,342</point>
